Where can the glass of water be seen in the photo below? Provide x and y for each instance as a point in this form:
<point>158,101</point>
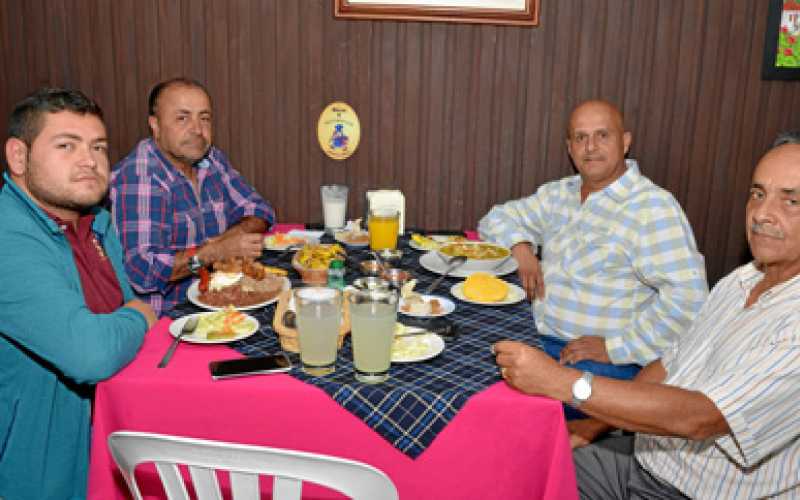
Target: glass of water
<point>373,314</point>
<point>319,316</point>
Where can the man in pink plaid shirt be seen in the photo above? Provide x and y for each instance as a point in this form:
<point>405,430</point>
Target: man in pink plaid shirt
<point>177,202</point>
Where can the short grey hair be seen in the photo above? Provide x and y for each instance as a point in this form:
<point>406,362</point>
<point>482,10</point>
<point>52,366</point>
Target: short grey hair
<point>787,137</point>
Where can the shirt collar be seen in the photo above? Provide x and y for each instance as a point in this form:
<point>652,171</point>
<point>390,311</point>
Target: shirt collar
<point>749,275</point>
<point>618,190</point>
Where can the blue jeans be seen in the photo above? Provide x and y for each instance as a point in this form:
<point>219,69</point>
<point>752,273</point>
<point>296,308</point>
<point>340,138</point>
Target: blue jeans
<point>553,346</point>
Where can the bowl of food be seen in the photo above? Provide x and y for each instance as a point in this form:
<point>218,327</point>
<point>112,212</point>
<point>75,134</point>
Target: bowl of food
<point>368,283</point>
<point>397,277</point>
<point>390,256</point>
<point>481,256</point>
<point>312,262</point>
<point>371,268</point>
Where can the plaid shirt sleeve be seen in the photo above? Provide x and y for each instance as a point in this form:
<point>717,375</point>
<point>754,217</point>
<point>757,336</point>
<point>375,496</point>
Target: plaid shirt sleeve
<point>243,200</point>
<point>666,259</point>
<point>516,221</point>
<point>143,215</point>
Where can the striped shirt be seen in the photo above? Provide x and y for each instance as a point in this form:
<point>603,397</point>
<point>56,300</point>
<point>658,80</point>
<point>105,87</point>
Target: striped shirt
<point>622,265</point>
<point>158,214</point>
<point>747,361</point>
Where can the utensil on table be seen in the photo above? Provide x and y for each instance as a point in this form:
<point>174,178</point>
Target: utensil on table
<point>378,259</point>
<point>188,327</point>
<point>500,264</point>
<point>455,262</point>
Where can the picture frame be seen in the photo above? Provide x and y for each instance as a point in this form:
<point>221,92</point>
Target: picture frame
<point>502,12</point>
<point>782,41</point>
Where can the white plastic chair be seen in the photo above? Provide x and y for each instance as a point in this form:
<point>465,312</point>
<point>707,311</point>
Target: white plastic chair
<point>244,462</point>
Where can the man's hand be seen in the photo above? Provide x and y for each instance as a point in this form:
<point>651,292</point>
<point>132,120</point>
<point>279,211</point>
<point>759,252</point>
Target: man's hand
<point>144,308</point>
<point>531,371</point>
<point>236,244</point>
<point>585,430</point>
<point>593,348</point>
<point>530,272</point>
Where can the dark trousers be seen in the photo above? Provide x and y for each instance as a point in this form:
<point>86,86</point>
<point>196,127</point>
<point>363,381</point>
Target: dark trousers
<point>607,470</point>
<point>553,346</point>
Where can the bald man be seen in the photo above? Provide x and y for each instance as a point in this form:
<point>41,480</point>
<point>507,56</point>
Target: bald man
<point>620,277</point>
<point>717,415</point>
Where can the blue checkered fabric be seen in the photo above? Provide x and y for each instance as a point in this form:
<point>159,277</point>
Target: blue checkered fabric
<point>419,399</point>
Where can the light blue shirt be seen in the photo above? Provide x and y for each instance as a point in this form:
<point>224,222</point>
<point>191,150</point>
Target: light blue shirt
<point>622,265</point>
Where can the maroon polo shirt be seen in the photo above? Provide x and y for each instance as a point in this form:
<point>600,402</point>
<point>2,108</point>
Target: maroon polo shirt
<point>101,288</point>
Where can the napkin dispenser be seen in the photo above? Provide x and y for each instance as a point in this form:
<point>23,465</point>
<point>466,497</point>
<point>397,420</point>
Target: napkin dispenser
<point>388,198</point>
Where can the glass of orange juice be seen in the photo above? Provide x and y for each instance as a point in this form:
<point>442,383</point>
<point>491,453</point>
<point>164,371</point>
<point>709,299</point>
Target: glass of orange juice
<point>383,224</point>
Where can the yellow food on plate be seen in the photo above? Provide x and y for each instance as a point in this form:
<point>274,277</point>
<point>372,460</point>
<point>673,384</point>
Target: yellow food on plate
<point>475,250</point>
<point>276,271</point>
<point>318,256</point>
<point>483,287</point>
<point>225,324</point>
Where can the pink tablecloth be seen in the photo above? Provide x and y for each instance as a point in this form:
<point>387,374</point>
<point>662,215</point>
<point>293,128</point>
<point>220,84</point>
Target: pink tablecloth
<point>501,445</point>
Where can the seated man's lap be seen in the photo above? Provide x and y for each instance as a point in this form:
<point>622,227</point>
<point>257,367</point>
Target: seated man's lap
<point>553,346</point>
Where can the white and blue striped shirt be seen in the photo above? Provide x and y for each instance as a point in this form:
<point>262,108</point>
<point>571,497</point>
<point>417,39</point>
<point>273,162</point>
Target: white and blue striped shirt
<point>621,265</point>
<point>747,361</point>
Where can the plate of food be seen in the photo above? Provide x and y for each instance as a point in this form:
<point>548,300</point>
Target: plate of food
<point>352,235</point>
<point>285,241</point>
<point>312,261</point>
<point>217,327</point>
<point>487,290</point>
<point>435,263</point>
<point>425,243</point>
<point>426,306</point>
<point>412,347</point>
<point>241,283</point>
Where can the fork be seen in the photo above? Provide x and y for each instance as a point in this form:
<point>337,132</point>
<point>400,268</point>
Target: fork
<point>188,327</point>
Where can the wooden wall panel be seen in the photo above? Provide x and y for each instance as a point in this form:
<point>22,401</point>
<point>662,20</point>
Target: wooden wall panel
<point>458,116</point>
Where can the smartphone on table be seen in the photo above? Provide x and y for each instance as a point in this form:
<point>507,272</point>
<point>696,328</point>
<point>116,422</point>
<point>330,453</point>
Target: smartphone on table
<point>274,363</point>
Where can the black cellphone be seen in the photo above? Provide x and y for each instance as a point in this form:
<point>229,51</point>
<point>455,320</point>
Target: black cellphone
<point>274,363</point>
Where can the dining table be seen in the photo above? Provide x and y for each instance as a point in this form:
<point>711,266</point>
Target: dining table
<point>444,428</point>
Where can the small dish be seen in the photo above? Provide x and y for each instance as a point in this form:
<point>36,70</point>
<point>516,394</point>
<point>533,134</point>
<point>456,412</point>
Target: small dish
<point>371,283</point>
<point>352,239</point>
<point>370,268</point>
<point>396,276</point>
<point>391,256</point>
<point>416,348</point>
<point>446,306</point>
<point>176,326</point>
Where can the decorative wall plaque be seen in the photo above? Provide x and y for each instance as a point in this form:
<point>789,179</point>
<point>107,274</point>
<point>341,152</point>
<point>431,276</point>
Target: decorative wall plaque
<point>338,130</point>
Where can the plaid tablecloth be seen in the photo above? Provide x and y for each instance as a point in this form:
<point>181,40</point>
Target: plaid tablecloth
<point>419,399</point>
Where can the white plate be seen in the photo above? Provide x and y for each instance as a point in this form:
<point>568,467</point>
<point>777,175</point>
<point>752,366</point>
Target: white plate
<point>193,294</point>
<point>338,237</point>
<point>176,326</point>
<point>430,344</point>
<point>433,263</point>
<point>308,240</point>
<point>439,238</point>
<point>515,294</point>
<point>448,306</point>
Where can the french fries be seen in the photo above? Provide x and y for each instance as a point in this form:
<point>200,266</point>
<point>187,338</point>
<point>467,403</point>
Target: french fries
<point>319,256</point>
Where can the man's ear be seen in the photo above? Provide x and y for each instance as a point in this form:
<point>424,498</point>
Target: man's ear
<point>627,137</point>
<point>16,156</point>
<point>153,122</point>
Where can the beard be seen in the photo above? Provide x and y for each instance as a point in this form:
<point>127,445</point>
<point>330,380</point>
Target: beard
<point>63,197</point>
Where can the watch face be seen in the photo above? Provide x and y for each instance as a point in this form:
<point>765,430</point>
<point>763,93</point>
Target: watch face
<point>582,390</point>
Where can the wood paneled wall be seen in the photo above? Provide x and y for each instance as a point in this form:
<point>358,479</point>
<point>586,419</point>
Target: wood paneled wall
<point>457,116</point>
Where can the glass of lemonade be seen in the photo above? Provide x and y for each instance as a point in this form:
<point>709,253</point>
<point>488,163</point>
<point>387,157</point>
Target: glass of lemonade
<point>383,224</point>
<point>372,314</point>
<point>319,315</point>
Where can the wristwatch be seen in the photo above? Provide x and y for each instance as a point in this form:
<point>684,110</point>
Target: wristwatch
<point>582,389</point>
<point>195,264</point>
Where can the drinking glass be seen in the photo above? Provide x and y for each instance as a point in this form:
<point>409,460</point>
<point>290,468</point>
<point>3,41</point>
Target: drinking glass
<point>319,315</point>
<point>383,224</point>
<point>372,315</point>
<point>334,206</point>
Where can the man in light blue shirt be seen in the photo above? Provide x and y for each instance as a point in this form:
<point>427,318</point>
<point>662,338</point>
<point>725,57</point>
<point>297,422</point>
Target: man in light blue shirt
<point>620,276</point>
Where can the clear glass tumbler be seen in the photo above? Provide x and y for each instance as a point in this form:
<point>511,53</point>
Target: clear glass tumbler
<point>334,206</point>
<point>319,316</point>
<point>373,315</point>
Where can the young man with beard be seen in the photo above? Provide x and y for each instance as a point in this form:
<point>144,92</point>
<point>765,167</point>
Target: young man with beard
<point>68,317</point>
<point>620,277</point>
<point>178,203</point>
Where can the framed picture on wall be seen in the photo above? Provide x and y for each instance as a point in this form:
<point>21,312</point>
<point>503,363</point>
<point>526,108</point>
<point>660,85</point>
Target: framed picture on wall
<point>782,41</point>
<point>513,12</point>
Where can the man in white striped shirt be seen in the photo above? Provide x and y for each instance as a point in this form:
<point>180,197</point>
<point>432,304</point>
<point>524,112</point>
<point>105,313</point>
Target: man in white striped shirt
<point>718,415</point>
<point>620,277</point>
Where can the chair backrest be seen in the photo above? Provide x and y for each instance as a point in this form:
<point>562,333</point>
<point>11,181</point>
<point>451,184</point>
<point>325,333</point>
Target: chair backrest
<point>244,463</point>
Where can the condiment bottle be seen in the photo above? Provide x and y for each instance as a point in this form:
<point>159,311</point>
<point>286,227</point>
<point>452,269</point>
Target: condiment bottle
<point>336,274</point>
